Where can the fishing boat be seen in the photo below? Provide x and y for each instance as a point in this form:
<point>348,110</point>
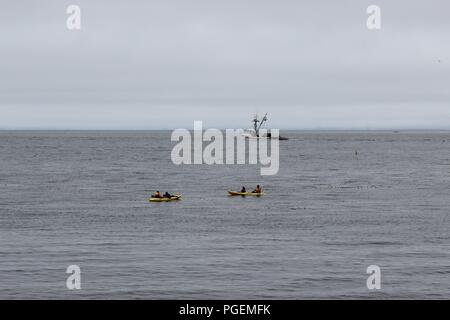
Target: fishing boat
<point>253,133</point>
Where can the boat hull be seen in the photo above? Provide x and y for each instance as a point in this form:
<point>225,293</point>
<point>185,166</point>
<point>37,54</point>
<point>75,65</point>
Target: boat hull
<point>237,193</point>
<point>174,198</point>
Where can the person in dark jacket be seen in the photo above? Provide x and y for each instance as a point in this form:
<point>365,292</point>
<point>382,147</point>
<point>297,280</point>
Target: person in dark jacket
<point>167,195</point>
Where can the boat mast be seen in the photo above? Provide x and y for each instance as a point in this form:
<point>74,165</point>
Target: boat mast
<point>255,121</point>
<point>264,119</point>
<point>255,125</point>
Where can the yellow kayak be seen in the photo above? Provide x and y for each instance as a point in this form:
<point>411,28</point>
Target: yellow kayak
<point>173,198</point>
<point>237,193</point>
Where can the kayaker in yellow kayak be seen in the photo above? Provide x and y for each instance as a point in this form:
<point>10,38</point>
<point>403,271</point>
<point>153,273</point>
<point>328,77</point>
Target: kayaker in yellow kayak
<point>165,195</point>
<point>258,189</point>
<point>157,195</point>
<point>164,198</point>
<point>257,192</point>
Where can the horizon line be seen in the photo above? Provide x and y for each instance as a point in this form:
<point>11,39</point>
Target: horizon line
<point>191,129</point>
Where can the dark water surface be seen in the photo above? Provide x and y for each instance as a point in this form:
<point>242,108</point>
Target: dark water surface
<point>81,198</point>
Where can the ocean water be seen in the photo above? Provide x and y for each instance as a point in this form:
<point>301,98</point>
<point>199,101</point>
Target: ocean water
<point>80,198</point>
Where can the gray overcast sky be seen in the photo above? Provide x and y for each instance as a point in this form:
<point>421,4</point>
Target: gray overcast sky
<point>162,64</point>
